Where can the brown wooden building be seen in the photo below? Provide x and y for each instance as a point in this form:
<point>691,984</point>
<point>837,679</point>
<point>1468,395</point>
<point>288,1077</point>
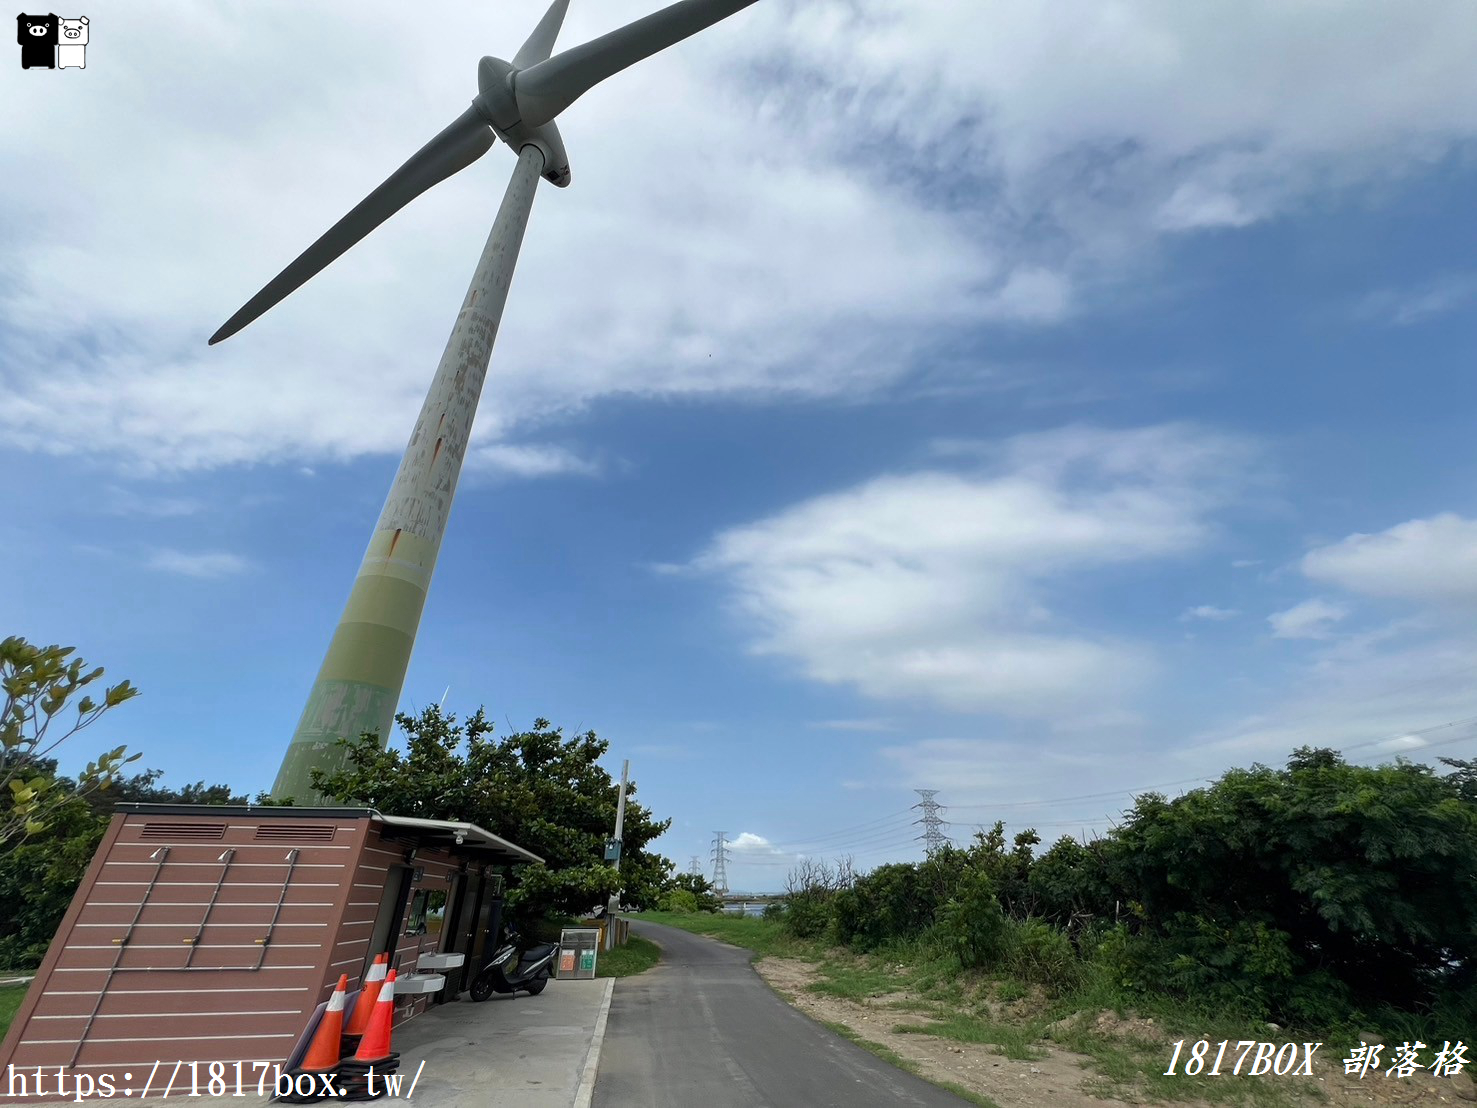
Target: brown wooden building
<point>212,933</point>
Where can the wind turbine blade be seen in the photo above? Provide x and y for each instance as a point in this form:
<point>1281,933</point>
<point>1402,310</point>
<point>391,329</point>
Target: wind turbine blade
<point>455,148</point>
<point>546,89</point>
<point>540,44</point>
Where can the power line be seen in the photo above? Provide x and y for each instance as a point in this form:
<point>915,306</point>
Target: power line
<point>1357,761</point>
<point>887,833</point>
<point>841,832</point>
<point>1192,780</point>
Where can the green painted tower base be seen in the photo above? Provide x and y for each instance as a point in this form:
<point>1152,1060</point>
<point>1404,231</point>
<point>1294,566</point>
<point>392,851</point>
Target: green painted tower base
<point>358,686</point>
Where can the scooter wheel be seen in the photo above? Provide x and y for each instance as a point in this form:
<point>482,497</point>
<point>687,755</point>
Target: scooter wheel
<point>481,988</point>
<point>536,986</point>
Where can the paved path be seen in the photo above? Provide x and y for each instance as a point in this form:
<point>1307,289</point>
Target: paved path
<point>702,1030</point>
<point>509,1052</point>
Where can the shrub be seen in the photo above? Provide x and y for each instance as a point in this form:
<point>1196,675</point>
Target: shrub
<point>1040,953</point>
<point>808,915</point>
<point>774,911</point>
<point>1068,884</point>
<point>810,892</point>
<point>1245,967</point>
<point>893,903</point>
<point>974,924</point>
<point>1369,873</point>
<point>680,901</point>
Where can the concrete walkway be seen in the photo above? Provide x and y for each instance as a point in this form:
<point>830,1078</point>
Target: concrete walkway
<point>508,1052</point>
<point>511,1051</point>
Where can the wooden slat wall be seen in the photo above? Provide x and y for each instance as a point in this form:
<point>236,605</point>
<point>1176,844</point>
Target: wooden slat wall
<point>155,1008</point>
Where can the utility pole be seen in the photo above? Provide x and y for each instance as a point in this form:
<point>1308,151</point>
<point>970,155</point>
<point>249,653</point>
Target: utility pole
<point>695,867</point>
<point>720,864</point>
<point>932,836</point>
<point>620,825</point>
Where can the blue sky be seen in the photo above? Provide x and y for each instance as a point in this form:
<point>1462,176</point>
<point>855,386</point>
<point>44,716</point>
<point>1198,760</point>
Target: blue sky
<point>1035,405</point>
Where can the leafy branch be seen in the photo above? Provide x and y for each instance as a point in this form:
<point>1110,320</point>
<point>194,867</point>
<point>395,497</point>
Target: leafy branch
<point>38,683</point>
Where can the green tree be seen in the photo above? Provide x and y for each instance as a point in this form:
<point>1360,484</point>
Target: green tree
<point>1356,874</point>
<point>39,874</point>
<point>704,897</point>
<point>1069,884</point>
<point>144,788</point>
<point>1008,870</point>
<point>38,682</point>
<point>973,923</point>
<point>546,793</point>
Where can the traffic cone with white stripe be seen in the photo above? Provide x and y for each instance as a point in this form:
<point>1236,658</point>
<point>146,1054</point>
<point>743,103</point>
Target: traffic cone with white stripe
<point>374,1053</point>
<point>324,1051</point>
<point>369,992</point>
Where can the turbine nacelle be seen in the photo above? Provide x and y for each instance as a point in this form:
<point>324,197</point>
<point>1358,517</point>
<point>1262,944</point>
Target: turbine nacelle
<point>516,101</point>
<point>497,103</point>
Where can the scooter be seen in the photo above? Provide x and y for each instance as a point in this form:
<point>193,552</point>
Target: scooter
<point>513,967</point>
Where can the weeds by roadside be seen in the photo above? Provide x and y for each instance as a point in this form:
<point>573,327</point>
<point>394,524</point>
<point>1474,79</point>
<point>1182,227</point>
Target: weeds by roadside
<point>636,956</point>
<point>1125,1036</point>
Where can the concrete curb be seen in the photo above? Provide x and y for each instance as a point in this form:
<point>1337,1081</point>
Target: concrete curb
<point>586,1091</point>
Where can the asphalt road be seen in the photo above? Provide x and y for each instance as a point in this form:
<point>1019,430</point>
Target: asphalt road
<point>701,1029</point>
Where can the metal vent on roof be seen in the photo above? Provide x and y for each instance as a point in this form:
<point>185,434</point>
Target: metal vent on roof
<point>296,832</point>
<point>198,832</point>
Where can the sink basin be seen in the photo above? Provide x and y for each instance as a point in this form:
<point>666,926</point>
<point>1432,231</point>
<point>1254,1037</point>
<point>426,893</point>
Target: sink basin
<point>435,962</point>
<point>416,984</point>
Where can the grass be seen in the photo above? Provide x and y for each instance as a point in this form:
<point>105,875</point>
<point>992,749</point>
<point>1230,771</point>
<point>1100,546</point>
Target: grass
<point>1013,1040</point>
<point>965,1007</point>
<point>762,936</point>
<point>635,957</point>
<point>10,1002</point>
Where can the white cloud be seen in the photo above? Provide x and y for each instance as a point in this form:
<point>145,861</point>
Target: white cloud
<point>203,565</point>
<point>1403,307</point>
<point>934,585</point>
<point>747,840</point>
<point>819,196</point>
<point>1397,689</point>
<point>749,847</point>
<point>1393,692</point>
<point>1210,612</point>
<point>1309,620</point>
<point>1431,560</point>
<point>708,260</point>
<point>1066,111</point>
<point>529,461</point>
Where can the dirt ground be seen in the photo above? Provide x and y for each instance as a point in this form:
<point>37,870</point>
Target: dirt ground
<point>1059,1080</point>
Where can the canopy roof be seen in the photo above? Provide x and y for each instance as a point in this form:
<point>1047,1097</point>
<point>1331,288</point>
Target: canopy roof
<point>459,838</point>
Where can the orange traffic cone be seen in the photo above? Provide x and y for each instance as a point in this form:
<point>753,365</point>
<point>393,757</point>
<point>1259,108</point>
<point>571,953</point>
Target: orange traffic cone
<point>368,993</point>
<point>323,1051</point>
<point>375,1046</point>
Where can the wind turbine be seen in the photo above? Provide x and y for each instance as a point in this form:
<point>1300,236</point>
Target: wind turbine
<point>359,683</point>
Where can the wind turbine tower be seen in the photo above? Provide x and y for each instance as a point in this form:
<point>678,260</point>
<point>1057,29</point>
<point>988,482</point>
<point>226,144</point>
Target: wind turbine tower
<point>359,683</point>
